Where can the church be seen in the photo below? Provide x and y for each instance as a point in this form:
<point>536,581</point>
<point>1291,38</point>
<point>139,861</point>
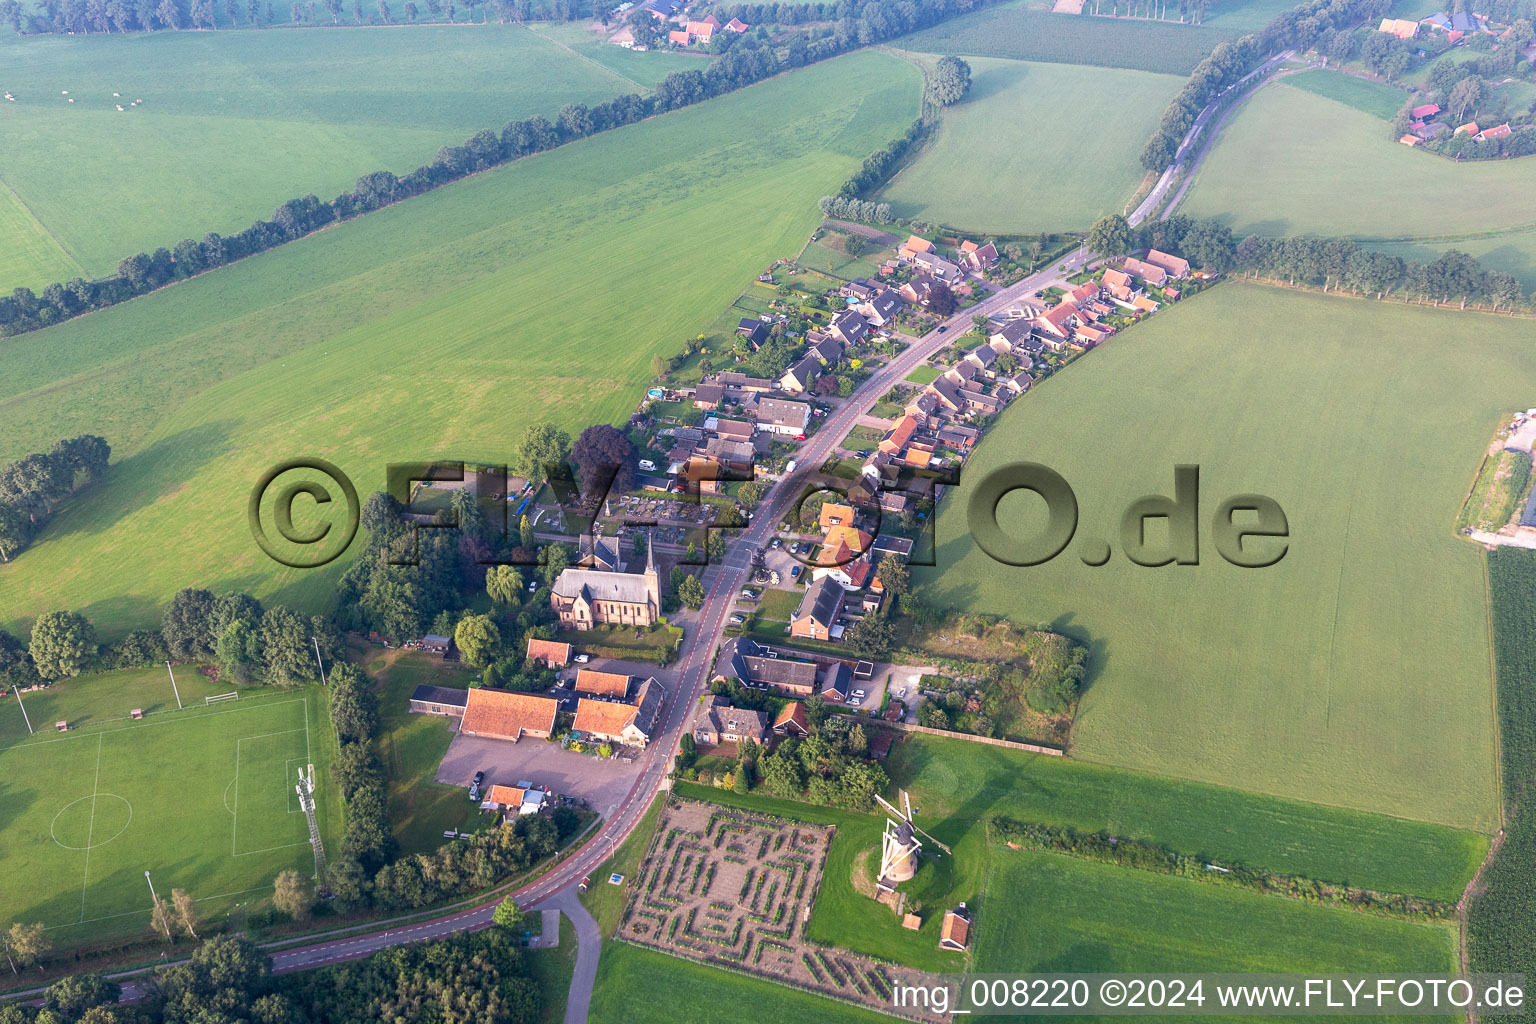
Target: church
<point>587,597</point>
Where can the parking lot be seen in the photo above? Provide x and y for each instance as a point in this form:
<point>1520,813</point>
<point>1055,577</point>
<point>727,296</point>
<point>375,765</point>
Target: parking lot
<point>602,783</point>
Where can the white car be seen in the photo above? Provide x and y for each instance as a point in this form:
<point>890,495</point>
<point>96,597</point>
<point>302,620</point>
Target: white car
<point>582,659</point>
<point>533,587</point>
<point>647,465</point>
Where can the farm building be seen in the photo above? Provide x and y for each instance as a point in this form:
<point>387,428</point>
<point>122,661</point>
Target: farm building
<point>792,721</point>
<point>438,700</point>
<point>550,653</point>
<point>603,684</point>
<point>618,722</point>
<point>504,715</point>
<point>956,933</point>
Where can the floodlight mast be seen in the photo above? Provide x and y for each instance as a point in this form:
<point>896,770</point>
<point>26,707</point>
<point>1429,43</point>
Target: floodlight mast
<point>24,716</point>
<point>173,686</point>
<point>319,661</point>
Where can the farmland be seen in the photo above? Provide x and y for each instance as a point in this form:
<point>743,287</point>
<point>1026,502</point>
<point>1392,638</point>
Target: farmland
<point>28,253</point>
<point>982,173</point>
<point>1512,252</point>
<point>341,371</point>
<point>1374,98</point>
<point>234,124</point>
<point>1291,162</point>
<point>203,797</point>
<point>1047,913</point>
<point>1308,679</point>
<point>1019,33</point>
<point>629,979</point>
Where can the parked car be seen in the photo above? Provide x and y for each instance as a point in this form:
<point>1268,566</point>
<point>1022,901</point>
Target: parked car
<point>799,437</point>
<point>647,465</point>
<point>532,587</point>
<point>855,701</point>
<point>794,572</point>
<point>582,659</point>
<point>794,548</point>
<point>479,778</point>
<point>777,543</point>
<point>858,694</point>
<point>474,792</point>
<point>737,620</point>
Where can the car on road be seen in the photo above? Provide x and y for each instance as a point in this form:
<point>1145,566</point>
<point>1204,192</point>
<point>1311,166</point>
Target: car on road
<point>943,328</point>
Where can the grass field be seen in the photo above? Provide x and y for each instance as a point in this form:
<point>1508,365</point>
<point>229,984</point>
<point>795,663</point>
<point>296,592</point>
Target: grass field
<point>1375,98</point>
<point>204,798</point>
<point>544,289</point>
<point>29,255</point>
<point>985,171</point>
<point>412,746</point>
<point>1355,672</point>
<point>1052,914</point>
<point>1512,253</point>
<point>1244,15</point>
<point>631,982</point>
<point>1291,162</point>
<point>954,783</point>
<point>1013,31</point>
<point>235,123</point>
<point>640,69</point>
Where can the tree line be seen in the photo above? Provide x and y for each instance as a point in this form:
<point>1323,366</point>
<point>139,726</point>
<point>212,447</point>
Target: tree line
<point>1231,60</point>
<point>750,61</point>
<point>82,17</point>
<point>1333,263</point>
<point>475,976</point>
<point>32,487</point>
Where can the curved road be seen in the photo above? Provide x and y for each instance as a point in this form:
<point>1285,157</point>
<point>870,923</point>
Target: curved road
<point>556,889</point>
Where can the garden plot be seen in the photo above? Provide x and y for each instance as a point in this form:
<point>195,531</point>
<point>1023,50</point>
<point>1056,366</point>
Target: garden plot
<point>734,887</point>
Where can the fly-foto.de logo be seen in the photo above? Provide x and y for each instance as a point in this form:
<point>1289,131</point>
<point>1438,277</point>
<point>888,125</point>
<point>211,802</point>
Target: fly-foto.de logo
<point>1248,530</point>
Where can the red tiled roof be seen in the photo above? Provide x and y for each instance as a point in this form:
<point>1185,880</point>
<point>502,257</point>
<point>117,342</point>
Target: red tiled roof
<point>609,684</point>
<point>549,651</point>
<point>505,714</point>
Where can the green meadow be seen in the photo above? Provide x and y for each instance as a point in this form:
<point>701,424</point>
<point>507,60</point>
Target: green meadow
<point>1046,913</point>
<point>1375,98</point>
<point>28,253</point>
<point>234,123</point>
<point>986,171</point>
<point>1511,252</point>
<point>1293,162</point>
<point>1017,31</point>
<point>1354,672</point>
<point>440,327</point>
<point>204,798</point>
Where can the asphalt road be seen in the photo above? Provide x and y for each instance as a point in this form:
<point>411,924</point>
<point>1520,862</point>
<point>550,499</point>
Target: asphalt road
<point>557,887</point>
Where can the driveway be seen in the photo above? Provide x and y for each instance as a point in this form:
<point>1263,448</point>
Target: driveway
<point>601,782</point>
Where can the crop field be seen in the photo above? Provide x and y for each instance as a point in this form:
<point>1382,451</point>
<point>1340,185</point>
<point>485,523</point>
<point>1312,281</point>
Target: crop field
<point>1021,34</point>
<point>1243,15</point>
<point>1355,671</point>
<point>955,782</point>
<point>630,977</point>
<point>983,172</point>
<point>438,327</point>
<point>202,798</point>
<point>1046,913</point>
<point>233,124</point>
<point>1374,98</point>
<point>1291,162</point>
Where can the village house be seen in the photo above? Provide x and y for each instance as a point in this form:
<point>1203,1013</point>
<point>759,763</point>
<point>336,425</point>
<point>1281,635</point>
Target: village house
<point>1497,132</point>
<point>514,801</point>
<point>1150,273</point>
<point>918,290</point>
<point>584,598</point>
<point>1121,286</point>
<point>732,379</point>
<point>882,308</point>
<point>735,25</point>
<point>504,715</point>
<point>792,721</point>
<point>754,330</point>
<point>822,348</point>
<point>438,700</point>
<point>679,37</point>
<point>899,436</point>
<point>1175,267</point>
<point>816,617</point>
<point>914,245</point>
<point>734,430</point>
<point>603,684</point>
<point>849,328</point>
<point>744,661</point>
<point>718,721</point>
<point>937,267</point>
<point>948,394</point>
<point>1017,337</point>
<point>704,30</point>
<point>778,416</point>
<point>977,258</point>
<point>1402,28</point>
<point>549,653</point>
<point>1056,324</point>
<point>799,378</point>
<point>708,396</point>
<point>607,721</point>
<point>736,457</point>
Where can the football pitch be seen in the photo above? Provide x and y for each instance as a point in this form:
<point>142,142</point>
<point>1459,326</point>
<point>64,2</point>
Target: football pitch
<point>203,799</point>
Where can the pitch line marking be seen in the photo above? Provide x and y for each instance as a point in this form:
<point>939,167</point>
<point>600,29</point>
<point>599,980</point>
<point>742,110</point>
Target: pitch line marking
<point>91,829</point>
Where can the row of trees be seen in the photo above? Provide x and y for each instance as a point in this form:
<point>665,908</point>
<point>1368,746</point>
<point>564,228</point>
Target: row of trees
<point>81,17</point>
<point>1231,60</point>
<point>748,62</point>
<point>475,976</point>
<point>32,487</point>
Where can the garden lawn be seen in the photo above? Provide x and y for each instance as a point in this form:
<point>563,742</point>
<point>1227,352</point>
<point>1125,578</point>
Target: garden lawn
<point>606,902</point>
<point>234,123</point>
<point>955,782</point>
<point>29,255</point>
<point>642,986</point>
<point>1052,914</point>
<point>1355,672</point>
<point>439,327</point>
<point>412,746</point>
<point>203,799</point>
<point>984,173</point>
<point>1375,98</point>
<point>1012,30</point>
<point>1290,162</point>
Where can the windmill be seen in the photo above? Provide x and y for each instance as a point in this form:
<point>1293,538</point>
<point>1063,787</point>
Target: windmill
<point>900,843</point>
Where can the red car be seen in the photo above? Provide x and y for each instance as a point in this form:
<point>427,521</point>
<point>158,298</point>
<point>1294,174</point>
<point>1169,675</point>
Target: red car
<point>799,437</point>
